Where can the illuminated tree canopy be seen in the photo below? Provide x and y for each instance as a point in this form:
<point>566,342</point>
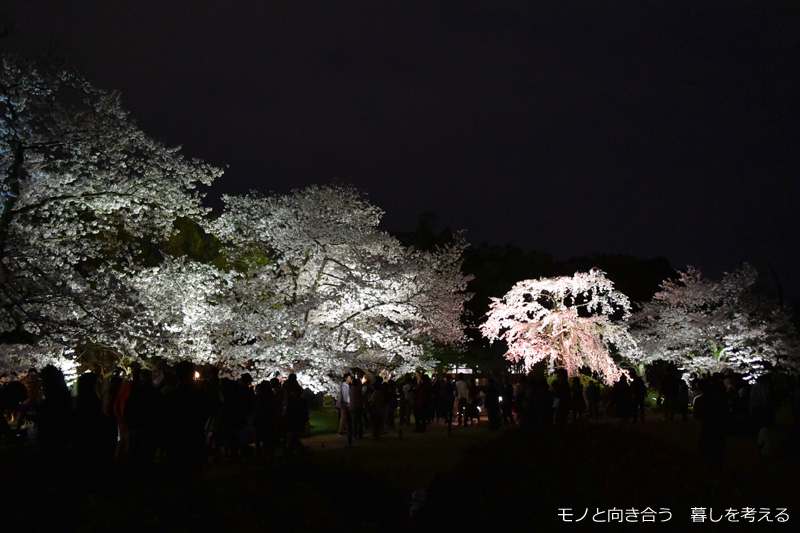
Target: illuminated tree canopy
<point>566,321</point>
<point>92,217</point>
<point>302,282</point>
<point>321,289</point>
<point>82,193</point>
<point>712,326</point>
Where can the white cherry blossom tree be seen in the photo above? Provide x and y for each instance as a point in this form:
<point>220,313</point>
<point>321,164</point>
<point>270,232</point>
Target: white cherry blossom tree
<point>712,326</point>
<point>306,282</point>
<point>322,290</point>
<point>567,321</point>
<point>83,193</point>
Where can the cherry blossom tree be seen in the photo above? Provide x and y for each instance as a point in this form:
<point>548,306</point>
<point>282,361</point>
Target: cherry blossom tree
<point>711,326</point>
<point>83,195</point>
<point>321,289</point>
<point>306,282</point>
<point>567,321</point>
<point>16,360</point>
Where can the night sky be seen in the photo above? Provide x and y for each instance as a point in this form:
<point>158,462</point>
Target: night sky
<point>650,128</point>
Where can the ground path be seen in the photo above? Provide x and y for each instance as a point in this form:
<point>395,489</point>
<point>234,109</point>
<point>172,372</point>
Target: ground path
<point>409,461</point>
<point>402,458</point>
<point>526,475</point>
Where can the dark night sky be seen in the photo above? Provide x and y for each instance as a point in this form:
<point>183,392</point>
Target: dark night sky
<point>642,127</point>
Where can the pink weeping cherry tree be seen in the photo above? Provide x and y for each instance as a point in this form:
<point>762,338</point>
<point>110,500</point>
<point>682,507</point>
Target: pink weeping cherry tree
<point>567,321</point>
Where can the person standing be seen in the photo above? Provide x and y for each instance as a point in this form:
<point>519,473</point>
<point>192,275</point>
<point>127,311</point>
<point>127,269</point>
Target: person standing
<point>421,398</point>
<point>377,401</point>
<point>185,412</point>
<point>622,398</point>
<point>448,398</point>
<point>343,403</point>
<point>120,401</point>
<point>669,391</point>
<point>507,401</point>
<point>390,399</point>
<point>406,400</point>
<point>711,409</point>
<point>577,401</point>
<point>356,406</point>
<point>492,403</point>
<point>639,391</point>
<point>593,400</point>
<point>295,415</point>
<point>266,412</point>
<point>563,395</point>
<point>142,414</point>
<point>462,397</point>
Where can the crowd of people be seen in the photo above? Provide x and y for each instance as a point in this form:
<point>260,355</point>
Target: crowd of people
<point>183,420</point>
<point>722,404</point>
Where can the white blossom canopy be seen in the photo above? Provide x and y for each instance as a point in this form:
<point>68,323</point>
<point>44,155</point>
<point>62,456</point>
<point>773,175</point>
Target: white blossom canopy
<point>324,290</point>
<point>82,193</point>
<point>713,326</point>
<point>306,282</point>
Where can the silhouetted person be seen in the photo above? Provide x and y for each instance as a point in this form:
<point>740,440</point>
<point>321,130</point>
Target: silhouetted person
<point>445,398</point>
<point>210,387</point>
<point>390,397</point>
<point>357,407</point>
<point>682,407</point>
<point>120,400</point>
<point>711,409</point>
<point>278,394</point>
<point>406,400</point>
<point>577,402</point>
<point>295,414</point>
<point>639,396</point>
<point>492,403</point>
<point>421,393</point>
<point>266,411</point>
<point>462,399</point>
<point>593,400</point>
<point>109,395</point>
<point>234,417</point>
<point>185,412</point>
<point>622,398</point>
<point>522,403</point>
<point>95,434</point>
<point>143,416</point>
<point>54,414</point>
<point>473,403</point>
<point>542,404</point>
<point>563,396</point>
<point>669,391</point>
<point>377,402</point>
<point>507,404</point>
